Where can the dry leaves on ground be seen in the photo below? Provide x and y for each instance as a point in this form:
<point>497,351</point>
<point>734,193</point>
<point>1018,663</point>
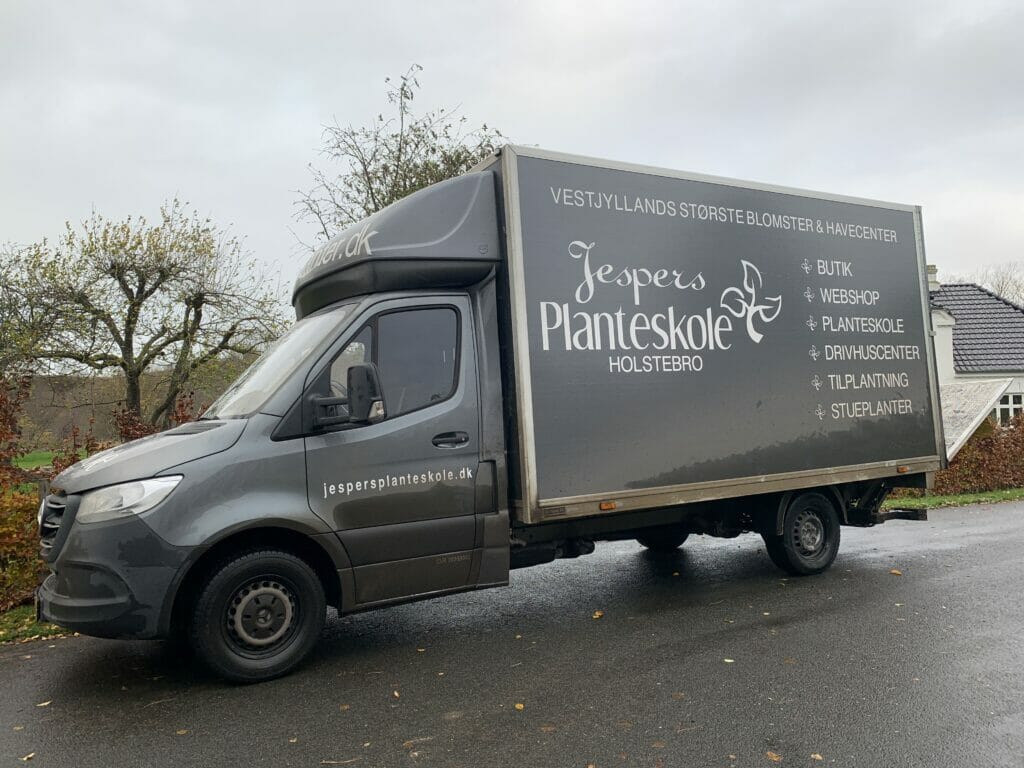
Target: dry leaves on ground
<point>775,757</point>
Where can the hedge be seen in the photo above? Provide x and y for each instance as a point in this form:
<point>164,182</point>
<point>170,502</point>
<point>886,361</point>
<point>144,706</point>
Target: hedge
<point>20,566</point>
<point>992,460</point>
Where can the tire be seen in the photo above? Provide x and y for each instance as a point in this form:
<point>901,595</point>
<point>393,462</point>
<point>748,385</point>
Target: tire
<point>810,536</point>
<point>665,539</point>
<point>286,612</point>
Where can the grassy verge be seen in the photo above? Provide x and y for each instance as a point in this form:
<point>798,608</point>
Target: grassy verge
<point>20,624</point>
<point>34,460</point>
<point>959,500</point>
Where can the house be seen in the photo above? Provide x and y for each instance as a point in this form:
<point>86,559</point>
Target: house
<point>979,354</point>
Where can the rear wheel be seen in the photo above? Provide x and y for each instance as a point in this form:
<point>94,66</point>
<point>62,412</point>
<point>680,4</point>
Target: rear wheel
<point>665,539</point>
<point>258,616</point>
<point>810,536</point>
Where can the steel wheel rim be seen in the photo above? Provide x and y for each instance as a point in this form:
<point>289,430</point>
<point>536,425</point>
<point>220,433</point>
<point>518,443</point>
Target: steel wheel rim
<point>808,533</point>
<point>262,616</point>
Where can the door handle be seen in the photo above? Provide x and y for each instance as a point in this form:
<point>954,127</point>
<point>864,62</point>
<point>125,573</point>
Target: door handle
<point>451,439</point>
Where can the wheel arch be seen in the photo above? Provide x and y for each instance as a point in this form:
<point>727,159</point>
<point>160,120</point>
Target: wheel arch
<point>323,553</point>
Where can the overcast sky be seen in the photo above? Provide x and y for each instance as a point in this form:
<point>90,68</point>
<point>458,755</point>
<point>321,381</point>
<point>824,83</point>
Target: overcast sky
<point>119,106</point>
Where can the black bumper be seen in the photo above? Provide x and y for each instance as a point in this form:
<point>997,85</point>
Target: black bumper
<point>111,580</point>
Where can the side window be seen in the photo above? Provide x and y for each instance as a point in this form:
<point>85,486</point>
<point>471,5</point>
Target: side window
<point>415,352</point>
<point>359,350</point>
<point>416,355</point>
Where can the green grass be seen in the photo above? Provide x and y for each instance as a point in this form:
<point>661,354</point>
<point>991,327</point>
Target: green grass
<point>34,460</point>
<point>20,624</point>
<point>958,500</point>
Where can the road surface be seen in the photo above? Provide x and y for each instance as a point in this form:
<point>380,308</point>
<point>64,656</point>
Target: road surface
<point>706,658</point>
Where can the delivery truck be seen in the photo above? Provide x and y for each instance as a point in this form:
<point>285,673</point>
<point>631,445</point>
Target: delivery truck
<point>500,370</point>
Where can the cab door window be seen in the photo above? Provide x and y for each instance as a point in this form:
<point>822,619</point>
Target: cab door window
<point>416,353</point>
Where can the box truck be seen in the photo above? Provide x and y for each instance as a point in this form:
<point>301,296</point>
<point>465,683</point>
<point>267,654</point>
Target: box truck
<point>500,370</point>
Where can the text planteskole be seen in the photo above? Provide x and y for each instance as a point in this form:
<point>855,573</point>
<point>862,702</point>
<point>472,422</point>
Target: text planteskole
<point>619,330</point>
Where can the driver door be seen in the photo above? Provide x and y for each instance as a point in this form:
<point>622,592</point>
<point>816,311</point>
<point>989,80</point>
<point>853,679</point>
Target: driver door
<point>400,492</point>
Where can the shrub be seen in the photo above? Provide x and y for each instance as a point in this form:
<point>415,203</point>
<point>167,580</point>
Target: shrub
<point>993,459</point>
<point>20,567</point>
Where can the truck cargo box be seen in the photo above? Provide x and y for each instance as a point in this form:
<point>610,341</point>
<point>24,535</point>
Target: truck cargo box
<point>677,337</point>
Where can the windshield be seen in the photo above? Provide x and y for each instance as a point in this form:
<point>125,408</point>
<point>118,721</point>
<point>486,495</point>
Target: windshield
<point>282,358</point>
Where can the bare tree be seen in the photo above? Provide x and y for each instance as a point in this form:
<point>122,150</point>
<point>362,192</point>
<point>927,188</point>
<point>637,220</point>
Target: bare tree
<point>172,298</point>
<point>392,158</point>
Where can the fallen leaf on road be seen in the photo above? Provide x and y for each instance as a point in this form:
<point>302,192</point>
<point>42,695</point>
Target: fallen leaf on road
<point>413,742</point>
<point>344,707</point>
<point>816,756</point>
<point>293,740</point>
<point>729,661</point>
<point>548,728</point>
<point>28,757</point>
<point>519,637</point>
<point>421,650</point>
<point>658,744</point>
<point>520,707</point>
<point>396,694</point>
<point>789,661</point>
<point>677,696</point>
<point>181,731</point>
<point>340,762</point>
<point>45,703</point>
<point>19,727</point>
<point>675,573</point>
<point>895,571</point>
<point>773,756</point>
<point>597,614</point>
<point>732,757</point>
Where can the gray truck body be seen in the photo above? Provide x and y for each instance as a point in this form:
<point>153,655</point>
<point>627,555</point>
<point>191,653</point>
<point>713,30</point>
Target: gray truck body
<point>589,351</point>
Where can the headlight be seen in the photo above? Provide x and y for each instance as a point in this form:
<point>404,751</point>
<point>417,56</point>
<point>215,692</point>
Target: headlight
<point>125,499</point>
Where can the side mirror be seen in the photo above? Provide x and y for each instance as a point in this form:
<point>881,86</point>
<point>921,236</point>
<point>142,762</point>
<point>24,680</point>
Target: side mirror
<point>365,399</point>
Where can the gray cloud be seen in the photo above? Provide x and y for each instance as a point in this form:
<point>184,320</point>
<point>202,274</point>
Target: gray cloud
<point>119,106</point>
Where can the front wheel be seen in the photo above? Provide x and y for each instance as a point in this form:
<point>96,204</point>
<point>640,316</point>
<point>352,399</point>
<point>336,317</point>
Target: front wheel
<point>258,616</point>
<point>810,536</point>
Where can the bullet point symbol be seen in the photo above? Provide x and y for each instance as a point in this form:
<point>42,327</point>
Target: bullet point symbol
<point>812,323</point>
<point>807,266</point>
<point>816,382</point>
<point>813,353</point>
<point>819,412</point>
<point>809,294</point>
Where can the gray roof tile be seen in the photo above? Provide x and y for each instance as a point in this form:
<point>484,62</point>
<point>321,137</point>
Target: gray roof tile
<point>988,335</point>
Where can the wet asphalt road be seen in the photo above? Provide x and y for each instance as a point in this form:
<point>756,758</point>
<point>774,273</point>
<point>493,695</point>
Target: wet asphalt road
<point>857,666</point>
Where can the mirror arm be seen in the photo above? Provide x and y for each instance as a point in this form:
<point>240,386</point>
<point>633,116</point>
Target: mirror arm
<point>317,402</point>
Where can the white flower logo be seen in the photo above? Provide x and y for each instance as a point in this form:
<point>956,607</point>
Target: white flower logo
<point>736,304</point>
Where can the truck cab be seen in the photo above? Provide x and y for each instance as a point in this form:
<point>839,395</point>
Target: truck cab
<point>358,462</point>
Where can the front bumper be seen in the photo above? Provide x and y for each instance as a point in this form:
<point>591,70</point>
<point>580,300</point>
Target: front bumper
<point>111,579</point>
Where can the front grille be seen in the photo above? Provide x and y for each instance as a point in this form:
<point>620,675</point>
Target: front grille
<point>50,521</point>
